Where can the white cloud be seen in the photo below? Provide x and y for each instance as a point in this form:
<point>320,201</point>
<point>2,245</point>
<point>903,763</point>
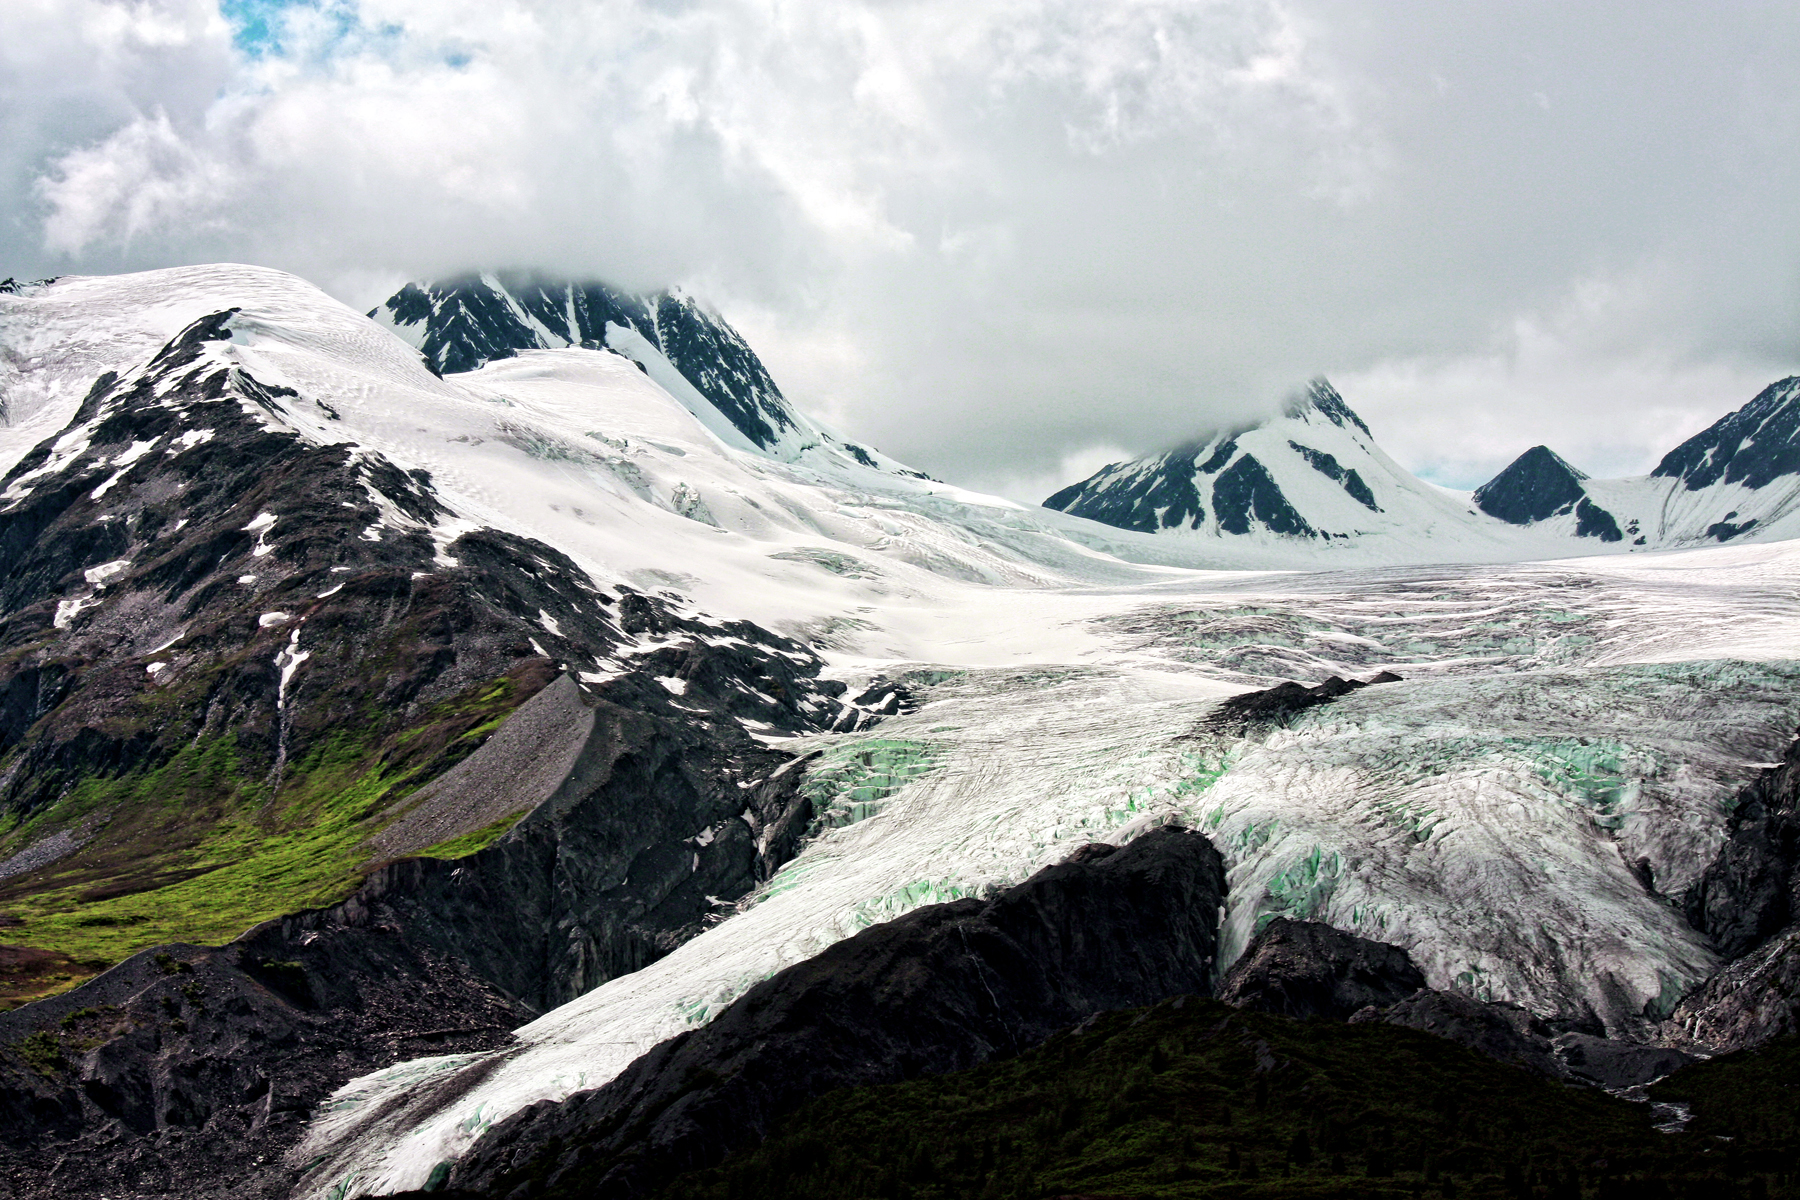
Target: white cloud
<point>142,178</point>
<point>1581,376</point>
<point>992,237</point>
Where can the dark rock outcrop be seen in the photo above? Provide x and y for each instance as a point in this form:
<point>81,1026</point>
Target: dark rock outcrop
<point>462,324</point>
<point>1578,1054</point>
<point>1247,494</point>
<point>191,1070</point>
<point>1516,1035</point>
<point>1142,497</point>
<point>1309,969</point>
<point>1747,902</point>
<point>1754,446</point>
<point>1747,1003</point>
<point>1237,715</point>
<point>1534,486</point>
<point>647,834</point>
<point>1614,1064</point>
<point>1328,466</point>
<point>940,989</point>
<point>1593,521</point>
<point>1751,890</point>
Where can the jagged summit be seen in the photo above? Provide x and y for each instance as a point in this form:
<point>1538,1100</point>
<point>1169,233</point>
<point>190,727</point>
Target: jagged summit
<point>1312,474</point>
<point>1537,484</point>
<point>1753,446</point>
<point>1321,397</point>
<point>465,323</point>
<point>1165,492</point>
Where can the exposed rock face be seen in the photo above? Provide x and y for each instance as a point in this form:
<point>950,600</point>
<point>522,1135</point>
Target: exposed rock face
<point>1753,446</point>
<point>1245,493</point>
<point>644,836</point>
<point>612,870</point>
<point>940,989</point>
<point>1750,1002</point>
<point>461,324</point>
<point>1748,901</point>
<point>1164,496</point>
<point>1513,1034</point>
<point>1238,714</point>
<point>1593,521</point>
<point>1328,466</point>
<point>1534,486</point>
<point>189,1071</point>
<point>1308,969</point>
<point>1748,894</point>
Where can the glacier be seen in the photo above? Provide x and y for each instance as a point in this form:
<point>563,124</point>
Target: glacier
<point>1556,760</point>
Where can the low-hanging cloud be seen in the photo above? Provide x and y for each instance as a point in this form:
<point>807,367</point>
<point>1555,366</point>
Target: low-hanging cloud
<point>997,239</point>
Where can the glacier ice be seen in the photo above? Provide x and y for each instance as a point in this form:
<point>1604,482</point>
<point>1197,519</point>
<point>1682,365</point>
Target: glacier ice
<point>1555,760</point>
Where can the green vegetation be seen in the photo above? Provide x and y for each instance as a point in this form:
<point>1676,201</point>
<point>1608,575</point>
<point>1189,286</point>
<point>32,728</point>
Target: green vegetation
<point>476,839</point>
<point>1194,1099</point>
<point>42,1052</point>
<point>200,848</point>
<point>75,1016</point>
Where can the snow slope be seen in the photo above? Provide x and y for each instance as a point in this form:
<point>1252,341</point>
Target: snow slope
<point>463,324</point>
<point>1310,485</point>
<point>1556,723</point>
<point>1739,478</point>
<point>1311,482</point>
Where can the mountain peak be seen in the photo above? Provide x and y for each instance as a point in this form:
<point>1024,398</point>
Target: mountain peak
<point>1538,484</point>
<point>1321,397</point>
<point>1754,445</point>
<point>1312,473</point>
<point>464,323</point>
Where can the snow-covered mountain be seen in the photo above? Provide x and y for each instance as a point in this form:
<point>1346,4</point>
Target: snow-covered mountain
<point>1311,480</point>
<point>461,325</point>
<point>742,700</point>
<point>1738,478</point>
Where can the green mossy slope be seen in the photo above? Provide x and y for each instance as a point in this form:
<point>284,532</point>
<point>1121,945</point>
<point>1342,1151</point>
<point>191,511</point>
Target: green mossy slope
<point>199,850</point>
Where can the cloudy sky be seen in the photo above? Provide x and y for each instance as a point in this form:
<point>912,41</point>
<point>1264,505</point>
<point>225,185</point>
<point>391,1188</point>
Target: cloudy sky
<point>1005,240</point>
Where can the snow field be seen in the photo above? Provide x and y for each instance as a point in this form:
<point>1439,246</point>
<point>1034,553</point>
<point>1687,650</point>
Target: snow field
<point>1486,818</point>
<point>1556,723</point>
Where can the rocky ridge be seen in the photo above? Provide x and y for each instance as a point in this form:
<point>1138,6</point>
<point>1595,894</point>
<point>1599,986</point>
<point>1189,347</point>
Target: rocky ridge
<point>302,634</point>
<point>1310,480</point>
<point>463,324</point>
<point>1740,477</point>
<point>939,989</point>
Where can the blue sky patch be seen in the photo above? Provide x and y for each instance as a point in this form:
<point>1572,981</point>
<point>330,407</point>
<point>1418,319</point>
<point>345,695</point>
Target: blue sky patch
<point>257,26</point>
